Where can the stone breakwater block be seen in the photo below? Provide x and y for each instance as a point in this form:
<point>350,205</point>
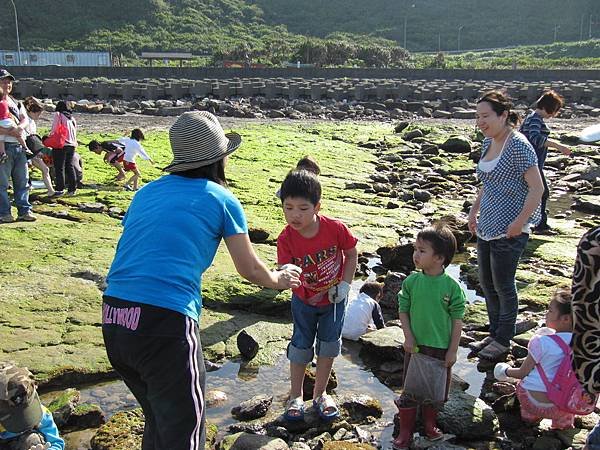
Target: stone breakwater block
<point>173,110</point>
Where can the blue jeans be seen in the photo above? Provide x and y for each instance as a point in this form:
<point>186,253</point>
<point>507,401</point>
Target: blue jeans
<point>315,321</point>
<point>15,167</point>
<point>593,439</point>
<point>497,261</point>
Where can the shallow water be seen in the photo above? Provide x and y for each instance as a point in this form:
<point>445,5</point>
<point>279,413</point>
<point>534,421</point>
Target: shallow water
<point>240,384</point>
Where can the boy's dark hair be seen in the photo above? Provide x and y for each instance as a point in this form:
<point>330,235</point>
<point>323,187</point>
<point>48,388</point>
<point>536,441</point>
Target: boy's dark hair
<point>303,184</point>
<point>372,289</point>
<point>137,134</point>
<point>214,172</point>
<point>62,107</point>
<point>308,163</point>
<point>94,144</point>
<point>563,297</point>
<point>550,101</point>
<point>442,241</point>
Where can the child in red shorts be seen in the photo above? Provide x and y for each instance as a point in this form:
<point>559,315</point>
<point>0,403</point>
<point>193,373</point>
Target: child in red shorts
<point>132,149</point>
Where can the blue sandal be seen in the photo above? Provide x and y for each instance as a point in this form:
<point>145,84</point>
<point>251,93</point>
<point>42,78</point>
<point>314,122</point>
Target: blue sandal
<point>294,410</point>
<point>326,407</point>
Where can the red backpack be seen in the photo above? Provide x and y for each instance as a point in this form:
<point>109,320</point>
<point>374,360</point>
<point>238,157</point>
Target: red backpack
<point>565,390</point>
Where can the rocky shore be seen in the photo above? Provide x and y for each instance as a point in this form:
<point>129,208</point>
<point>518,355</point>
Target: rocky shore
<point>406,173</point>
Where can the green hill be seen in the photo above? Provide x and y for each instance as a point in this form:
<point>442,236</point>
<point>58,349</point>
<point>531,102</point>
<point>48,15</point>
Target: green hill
<point>327,32</point>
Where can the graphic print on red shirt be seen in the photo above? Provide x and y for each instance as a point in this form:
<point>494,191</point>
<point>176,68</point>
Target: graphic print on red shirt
<point>320,257</point>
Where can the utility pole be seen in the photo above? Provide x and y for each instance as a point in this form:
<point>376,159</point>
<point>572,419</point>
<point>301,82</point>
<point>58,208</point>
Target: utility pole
<point>590,32</point>
<point>556,27</point>
<point>581,28</point>
<point>17,28</point>
<point>459,30</point>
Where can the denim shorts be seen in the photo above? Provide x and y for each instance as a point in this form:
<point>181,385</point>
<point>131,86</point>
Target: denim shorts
<point>318,322</point>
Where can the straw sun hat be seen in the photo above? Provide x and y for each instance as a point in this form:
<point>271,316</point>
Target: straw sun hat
<point>197,140</point>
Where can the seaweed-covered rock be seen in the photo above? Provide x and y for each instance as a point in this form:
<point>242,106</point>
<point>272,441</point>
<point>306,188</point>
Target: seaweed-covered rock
<point>385,344</point>
<point>246,441</point>
<point>63,406</point>
<point>123,431</point>
<point>467,417</point>
<point>397,257</point>
<point>309,382</point>
<point>86,415</point>
<point>456,144</point>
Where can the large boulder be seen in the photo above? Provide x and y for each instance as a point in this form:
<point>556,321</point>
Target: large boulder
<point>457,144</point>
<point>467,417</point>
<point>385,344</point>
<point>397,257</point>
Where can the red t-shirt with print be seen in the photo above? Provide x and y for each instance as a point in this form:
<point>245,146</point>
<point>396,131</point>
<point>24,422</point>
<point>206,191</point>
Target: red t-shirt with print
<point>320,257</point>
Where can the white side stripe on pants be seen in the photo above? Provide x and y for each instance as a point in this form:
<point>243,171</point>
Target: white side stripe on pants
<point>192,340</point>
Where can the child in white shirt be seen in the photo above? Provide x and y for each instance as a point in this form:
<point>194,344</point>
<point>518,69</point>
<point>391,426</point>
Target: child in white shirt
<point>364,313</point>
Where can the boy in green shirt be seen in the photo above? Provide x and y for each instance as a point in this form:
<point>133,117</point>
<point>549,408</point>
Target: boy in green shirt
<point>431,306</point>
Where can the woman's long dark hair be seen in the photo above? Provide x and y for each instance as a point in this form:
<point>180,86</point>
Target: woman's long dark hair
<point>500,102</point>
<point>214,172</point>
<point>63,108</point>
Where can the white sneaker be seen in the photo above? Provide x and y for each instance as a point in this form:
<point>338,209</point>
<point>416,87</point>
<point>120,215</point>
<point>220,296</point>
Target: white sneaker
<point>7,218</point>
<point>27,217</point>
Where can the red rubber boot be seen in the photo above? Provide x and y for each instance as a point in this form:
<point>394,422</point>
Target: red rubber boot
<point>407,418</point>
<point>432,432</point>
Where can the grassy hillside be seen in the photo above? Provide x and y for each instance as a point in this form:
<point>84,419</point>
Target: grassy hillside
<point>431,22</point>
<point>332,32</point>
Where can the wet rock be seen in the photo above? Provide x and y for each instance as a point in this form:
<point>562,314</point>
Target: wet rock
<point>309,382</point>
<point>252,428</point>
<point>357,407</point>
<point>391,286</point>
<point>421,195</point>
<point>400,126</point>
<point>456,144</point>
<point>247,345</point>
<point>430,149</point>
<point>86,415</point>
<point>63,406</point>
<point>397,257</point>
<point>467,417</point>
<point>246,441</point>
<point>300,446</point>
<point>257,235</point>
<point>381,187</point>
<point>357,185</point>
<point>215,398</point>
<point>385,344</point>
<point>585,206</point>
<point>519,351</point>
<point>278,432</point>
<point>253,408</point>
<point>410,135</point>
<point>547,442</point>
<point>319,441</point>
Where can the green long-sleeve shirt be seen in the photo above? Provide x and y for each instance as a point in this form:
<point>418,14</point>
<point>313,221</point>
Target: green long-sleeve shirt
<point>432,303</point>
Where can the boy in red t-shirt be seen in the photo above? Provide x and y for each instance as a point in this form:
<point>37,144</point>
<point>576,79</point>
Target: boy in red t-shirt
<point>326,252</point>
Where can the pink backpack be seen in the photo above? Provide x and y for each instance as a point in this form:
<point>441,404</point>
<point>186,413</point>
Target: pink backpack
<point>564,390</point>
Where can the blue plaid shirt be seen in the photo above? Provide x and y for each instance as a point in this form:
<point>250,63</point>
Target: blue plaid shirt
<point>536,131</point>
<point>505,188</point>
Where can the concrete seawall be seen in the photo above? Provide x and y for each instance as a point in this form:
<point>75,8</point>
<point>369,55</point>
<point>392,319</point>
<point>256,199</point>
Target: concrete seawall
<point>197,73</point>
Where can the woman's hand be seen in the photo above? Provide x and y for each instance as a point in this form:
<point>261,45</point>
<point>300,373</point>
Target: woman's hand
<point>288,277</point>
<point>514,229</point>
<point>472,221</point>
